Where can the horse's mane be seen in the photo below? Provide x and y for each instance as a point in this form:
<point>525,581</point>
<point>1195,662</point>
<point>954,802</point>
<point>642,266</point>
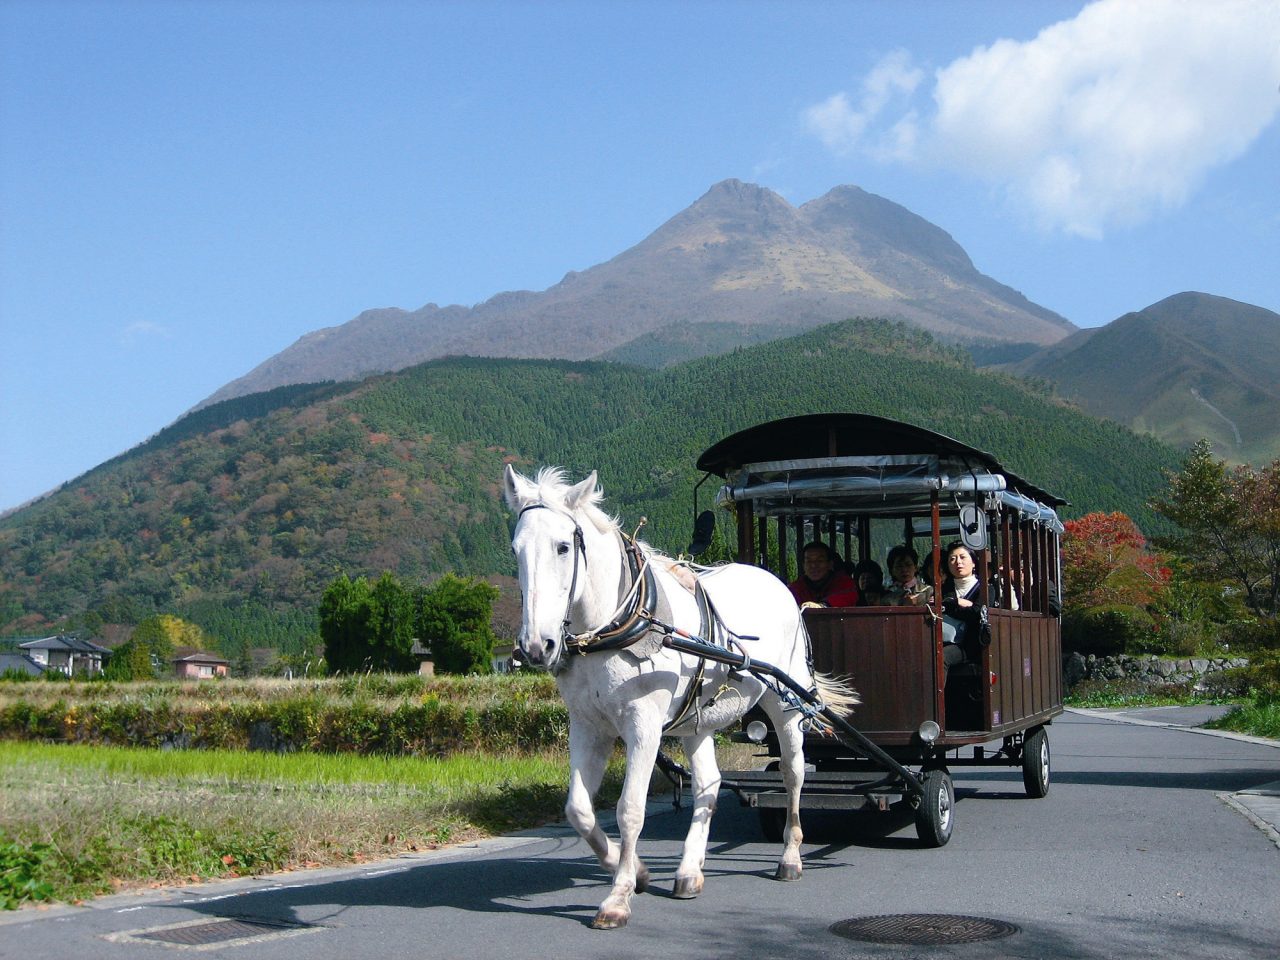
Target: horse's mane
<point>553,487</point>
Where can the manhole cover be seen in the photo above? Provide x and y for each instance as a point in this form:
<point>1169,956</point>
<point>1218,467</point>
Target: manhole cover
<point>922,928</point>
<point>218,932</point>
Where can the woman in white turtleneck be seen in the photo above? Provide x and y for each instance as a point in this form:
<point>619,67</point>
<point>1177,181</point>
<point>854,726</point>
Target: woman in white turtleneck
<point>961,602</point>
<point>962,587</point>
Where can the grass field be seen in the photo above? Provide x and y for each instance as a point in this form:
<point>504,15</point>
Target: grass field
<point>76,821</point>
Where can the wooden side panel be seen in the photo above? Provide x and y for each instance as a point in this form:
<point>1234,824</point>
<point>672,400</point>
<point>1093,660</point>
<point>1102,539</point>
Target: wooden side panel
<point>1025,655</point>
<point>889,655</point>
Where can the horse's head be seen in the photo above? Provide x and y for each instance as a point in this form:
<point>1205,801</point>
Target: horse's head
<point>550,549</point>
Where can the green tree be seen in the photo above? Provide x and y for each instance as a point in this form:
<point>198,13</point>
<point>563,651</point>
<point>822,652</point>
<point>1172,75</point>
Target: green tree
<point>456,622</point>
<point>149,650</point>
<point>129,661</point>
<point>345,613</point>
<point>1230,525</point>
<point>393,622</point>
<point>369,627</point>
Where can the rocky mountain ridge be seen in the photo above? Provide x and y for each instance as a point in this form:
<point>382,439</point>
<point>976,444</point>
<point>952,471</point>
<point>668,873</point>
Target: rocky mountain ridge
<point>741,256</point>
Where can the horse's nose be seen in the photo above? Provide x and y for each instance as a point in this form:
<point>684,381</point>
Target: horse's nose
<point>537,651</point>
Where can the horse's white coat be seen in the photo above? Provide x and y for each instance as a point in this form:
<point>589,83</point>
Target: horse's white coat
<point>630,695</point>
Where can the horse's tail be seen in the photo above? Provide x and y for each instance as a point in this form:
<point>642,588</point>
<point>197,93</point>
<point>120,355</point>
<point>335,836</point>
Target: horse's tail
<point>836,693</point>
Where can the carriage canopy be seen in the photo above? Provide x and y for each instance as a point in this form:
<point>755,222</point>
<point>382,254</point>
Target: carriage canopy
<point>857,463</point>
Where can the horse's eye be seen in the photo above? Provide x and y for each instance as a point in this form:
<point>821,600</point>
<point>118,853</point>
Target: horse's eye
<point>562,549</point>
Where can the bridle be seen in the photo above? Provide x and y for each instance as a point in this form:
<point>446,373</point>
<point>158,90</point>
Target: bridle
<point>634,617</point>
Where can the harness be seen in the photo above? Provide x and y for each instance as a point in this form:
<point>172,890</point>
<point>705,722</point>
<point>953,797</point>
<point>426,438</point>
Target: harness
<point>635,618</point>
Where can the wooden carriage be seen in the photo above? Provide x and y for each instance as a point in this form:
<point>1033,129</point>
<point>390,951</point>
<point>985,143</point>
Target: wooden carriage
<point>861,484</point>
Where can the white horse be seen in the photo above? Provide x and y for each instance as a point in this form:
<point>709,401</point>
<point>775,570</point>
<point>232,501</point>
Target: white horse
<point>588,589</point>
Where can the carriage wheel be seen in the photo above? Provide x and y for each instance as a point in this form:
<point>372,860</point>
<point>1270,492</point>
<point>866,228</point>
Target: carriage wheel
<point>773,821</point>
<point>935,814</point>
<point>1035,763</point>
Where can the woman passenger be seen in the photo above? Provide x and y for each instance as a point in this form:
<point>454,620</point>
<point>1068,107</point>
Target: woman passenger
<point>907,588</point>
<point>870,583</point>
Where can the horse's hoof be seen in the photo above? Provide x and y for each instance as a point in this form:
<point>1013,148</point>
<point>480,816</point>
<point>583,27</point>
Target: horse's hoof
<point>687,887</point>
<point>788,871</point>
<point>609,920</point>
<point>642,877</point>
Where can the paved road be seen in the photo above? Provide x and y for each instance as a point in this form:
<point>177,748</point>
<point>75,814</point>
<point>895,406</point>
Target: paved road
<point>1135,853</point>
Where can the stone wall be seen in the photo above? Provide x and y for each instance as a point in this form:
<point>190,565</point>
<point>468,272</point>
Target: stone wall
<point>1153,671</point>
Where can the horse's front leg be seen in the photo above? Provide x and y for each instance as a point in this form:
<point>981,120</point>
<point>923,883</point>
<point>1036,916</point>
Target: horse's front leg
<point>630,876</point>
<point>701,751</point>
<point>589,751</point>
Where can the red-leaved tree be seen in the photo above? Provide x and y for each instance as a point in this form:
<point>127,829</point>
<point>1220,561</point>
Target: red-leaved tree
<point>1106,560</point>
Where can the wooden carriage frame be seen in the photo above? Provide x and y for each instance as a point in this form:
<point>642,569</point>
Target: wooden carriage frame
<point>826,477</point>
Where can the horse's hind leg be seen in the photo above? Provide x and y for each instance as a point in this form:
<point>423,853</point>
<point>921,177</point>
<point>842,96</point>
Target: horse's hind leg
<point>701,750</point>
<point>791,742</point>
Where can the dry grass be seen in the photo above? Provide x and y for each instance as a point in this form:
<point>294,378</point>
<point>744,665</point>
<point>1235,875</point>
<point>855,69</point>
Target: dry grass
<point>116,817</point>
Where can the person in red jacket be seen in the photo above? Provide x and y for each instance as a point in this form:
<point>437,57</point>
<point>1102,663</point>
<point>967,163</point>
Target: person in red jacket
<point>820,582</point>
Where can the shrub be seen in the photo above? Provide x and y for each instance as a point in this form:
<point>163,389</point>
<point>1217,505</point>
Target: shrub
<point>1257,636</point>
<point>1108,630</point>
<point>22,873</point>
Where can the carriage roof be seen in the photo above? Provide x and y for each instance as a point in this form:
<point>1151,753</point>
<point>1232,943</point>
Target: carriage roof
<point>850,461</point>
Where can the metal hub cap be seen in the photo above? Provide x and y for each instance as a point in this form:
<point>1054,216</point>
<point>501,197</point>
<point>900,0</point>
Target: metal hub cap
<point>922,929</point>
<point>944,809</point>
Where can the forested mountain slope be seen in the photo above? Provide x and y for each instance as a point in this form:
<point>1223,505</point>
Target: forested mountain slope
<point>1191,366</point>
<point>258,505</point>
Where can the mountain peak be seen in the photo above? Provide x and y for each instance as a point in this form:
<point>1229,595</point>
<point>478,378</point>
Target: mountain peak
<point>739,256</point>
<point>740,191</point>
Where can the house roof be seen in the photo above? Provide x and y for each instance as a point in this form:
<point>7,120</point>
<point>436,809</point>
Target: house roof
<point>201,658</point>
<point>21,663</point>
<point>65,642</point>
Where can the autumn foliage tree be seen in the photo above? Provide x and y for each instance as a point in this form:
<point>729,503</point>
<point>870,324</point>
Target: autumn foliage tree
<point>1230,525</point>
<point>1106,560</point>
<point>1112,583</point>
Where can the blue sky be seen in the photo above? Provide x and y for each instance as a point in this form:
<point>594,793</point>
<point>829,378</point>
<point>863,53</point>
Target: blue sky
<point>187,187</point>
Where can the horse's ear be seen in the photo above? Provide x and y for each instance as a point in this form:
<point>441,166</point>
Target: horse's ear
<point>517,489</point>
<point>582,493</point>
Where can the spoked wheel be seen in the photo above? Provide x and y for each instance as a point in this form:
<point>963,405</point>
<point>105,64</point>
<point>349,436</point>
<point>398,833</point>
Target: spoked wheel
<point>1035,763</point>
<point>935,814</point>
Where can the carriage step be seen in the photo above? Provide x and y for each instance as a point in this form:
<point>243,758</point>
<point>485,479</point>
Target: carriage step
<point>825,801</point>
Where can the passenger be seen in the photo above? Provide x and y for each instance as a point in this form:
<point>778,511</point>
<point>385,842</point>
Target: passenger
<point>870,583</point>
<point>820,583</point>
<point>964,618</point>
<point>997,583</point>
<point>907,589</point>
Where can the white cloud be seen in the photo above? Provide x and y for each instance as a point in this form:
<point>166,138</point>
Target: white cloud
<point>144,329</point>
<point>1104,120</point>
<point>840,124</point>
